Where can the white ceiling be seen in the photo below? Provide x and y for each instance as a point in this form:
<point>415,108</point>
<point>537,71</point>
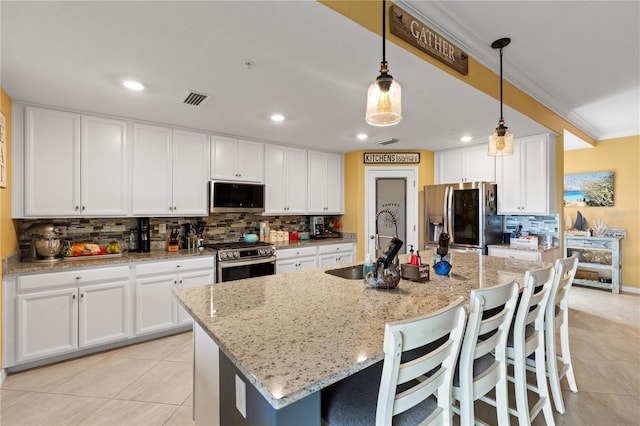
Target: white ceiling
<point>581,59</point>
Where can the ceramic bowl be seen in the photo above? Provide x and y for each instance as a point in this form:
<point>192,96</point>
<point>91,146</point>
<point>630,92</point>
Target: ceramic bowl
<point>250,238</point>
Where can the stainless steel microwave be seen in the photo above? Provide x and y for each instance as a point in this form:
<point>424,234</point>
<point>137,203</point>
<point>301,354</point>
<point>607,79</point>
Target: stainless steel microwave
<point>235,197</point>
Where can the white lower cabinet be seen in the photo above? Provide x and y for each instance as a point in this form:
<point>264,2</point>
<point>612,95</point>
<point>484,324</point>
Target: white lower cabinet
<point>336,254</point>
<point>62,312</point>
<point>296,259</point>
<point>156,307</point>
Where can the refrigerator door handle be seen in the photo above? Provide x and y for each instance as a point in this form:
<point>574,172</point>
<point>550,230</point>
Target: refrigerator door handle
<point>450,215</point>
<point>445,217</point>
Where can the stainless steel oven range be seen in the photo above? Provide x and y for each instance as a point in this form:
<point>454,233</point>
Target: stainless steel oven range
<point>238,260</point>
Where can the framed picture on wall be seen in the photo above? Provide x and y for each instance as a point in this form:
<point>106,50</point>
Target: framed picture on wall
<point>588,189</point>
<point>3,151</point>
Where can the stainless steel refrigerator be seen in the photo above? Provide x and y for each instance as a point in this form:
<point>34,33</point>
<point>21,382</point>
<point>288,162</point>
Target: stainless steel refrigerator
<point>466,211</point>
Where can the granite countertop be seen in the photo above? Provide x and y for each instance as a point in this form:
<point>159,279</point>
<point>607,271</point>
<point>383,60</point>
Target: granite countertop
<point>17,267</point>
<point>296,333</point>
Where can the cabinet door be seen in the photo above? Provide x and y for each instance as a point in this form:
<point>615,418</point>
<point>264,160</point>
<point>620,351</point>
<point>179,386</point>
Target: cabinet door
<point>155,303</point>
<point>188,280</point>
<point>47,323</point>
<point>345,258</point>
<point>287,265</point>
<point>335,187</point>
<point>327,260</point>
<point>296,188</point>
<point>307,263</point>
<point>190,173</point>
<point>250,161</point>
<point>105,313</point>
<point>450,166</point>
<point>509,182</point>
<point>104,167</point>
<point>317,182</point>
<point>52,163</point>
<point>535,175</point>
<point>275,178</point>
<point>152,184</point>
<point>223,158</point>
<point>479,166</point>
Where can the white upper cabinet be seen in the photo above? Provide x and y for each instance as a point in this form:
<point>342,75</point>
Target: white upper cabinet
<point>465,165</point>
<point>74,164</point>
<point>285,180</point>
<point>237,159</point>
<point>170,171</point>
<point>104,171</point>
<point>526,180</point>
<point>324,182</point>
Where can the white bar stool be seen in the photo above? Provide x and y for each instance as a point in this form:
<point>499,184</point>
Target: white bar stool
<point>406,392</point>
<point>483,363</point>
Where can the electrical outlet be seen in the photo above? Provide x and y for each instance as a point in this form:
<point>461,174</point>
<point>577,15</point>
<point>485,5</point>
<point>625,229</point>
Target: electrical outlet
<point>241,396</point>
<point>63,231</point>
<point>162,228</point>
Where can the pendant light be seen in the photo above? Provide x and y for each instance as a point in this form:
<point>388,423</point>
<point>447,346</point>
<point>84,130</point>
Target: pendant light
<point>383,98</point>
<point>501,140</point>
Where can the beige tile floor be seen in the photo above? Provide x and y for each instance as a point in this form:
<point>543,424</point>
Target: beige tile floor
<point>150,383</point>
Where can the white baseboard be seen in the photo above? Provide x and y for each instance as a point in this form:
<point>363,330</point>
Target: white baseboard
<point>626,289</point>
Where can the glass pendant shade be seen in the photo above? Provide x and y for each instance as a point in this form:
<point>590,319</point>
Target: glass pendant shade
<point>384,107</point>
<point>501,142</point>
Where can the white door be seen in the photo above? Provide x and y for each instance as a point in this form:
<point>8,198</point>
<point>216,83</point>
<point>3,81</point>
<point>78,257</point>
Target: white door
<point>394,189</point>
<point>104,313</point>
<point>190,173</point>
<point>47,323</point>
<point>275,178</point>
<point>223,158</point>
<point>192,279</point>
<point>250,161</point>
<point>151,180</point>
<point>296,169</point>
<point>104,167</point>
<point>155,303</point>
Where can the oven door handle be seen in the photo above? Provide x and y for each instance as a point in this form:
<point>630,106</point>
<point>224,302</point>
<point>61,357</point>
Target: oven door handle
<point>233,263</point>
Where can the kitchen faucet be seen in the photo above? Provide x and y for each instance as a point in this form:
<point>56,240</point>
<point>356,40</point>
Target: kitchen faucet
<point>394,220</point>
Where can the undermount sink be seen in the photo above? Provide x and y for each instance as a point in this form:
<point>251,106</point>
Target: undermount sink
<point>348,273</point>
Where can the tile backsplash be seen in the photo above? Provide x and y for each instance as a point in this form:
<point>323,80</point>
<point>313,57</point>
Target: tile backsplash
<point>534,225</point>
<point>219,227</point>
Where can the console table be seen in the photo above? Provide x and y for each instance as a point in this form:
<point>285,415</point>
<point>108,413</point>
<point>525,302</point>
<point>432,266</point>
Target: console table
<point>599,260</point>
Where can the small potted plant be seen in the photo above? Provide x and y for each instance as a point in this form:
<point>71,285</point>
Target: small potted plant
<point>333,229</point>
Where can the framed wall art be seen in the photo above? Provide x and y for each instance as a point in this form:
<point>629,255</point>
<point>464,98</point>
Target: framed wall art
<point>588,189</point>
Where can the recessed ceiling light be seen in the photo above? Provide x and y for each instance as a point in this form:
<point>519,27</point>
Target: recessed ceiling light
<point>133,85</point>
<point>362,136</point>
<point>466,139</point>
<point>277,117</point>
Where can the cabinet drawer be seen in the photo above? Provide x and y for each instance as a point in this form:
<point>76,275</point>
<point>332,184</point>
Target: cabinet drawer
<point>335,248</point>
<point>574,242</point>
<point>291,253</point>
<point>169,266</point>
<point>73,277</point>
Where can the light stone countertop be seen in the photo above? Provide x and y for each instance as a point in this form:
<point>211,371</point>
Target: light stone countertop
<point>296,333</point>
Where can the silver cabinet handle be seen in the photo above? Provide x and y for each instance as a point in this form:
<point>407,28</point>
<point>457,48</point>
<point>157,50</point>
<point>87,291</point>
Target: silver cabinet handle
<point>77,207</point>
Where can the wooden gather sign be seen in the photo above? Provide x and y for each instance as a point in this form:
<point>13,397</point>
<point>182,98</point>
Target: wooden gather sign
<point>427,40</point>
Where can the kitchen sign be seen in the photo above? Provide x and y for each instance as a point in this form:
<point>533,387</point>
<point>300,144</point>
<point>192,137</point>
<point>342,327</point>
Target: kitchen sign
<point>427,40</point>
<point>391,157</point>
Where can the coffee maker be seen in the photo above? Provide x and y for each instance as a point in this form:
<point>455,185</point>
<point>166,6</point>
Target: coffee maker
<point>144,235</point>
<point>317,226</point>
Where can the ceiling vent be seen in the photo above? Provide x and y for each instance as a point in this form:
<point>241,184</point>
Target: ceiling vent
<point>195,98</point>
<point>388,141</point>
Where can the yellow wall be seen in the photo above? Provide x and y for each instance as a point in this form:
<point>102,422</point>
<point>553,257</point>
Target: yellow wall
<point>622,156</point>
<point>354,219</point>
<point>8,234</point>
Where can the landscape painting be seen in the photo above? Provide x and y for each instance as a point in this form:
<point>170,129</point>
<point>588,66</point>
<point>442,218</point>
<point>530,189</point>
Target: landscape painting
<point>588,190</point>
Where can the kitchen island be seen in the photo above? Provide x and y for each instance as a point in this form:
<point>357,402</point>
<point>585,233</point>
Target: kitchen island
<point>286,337</point>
